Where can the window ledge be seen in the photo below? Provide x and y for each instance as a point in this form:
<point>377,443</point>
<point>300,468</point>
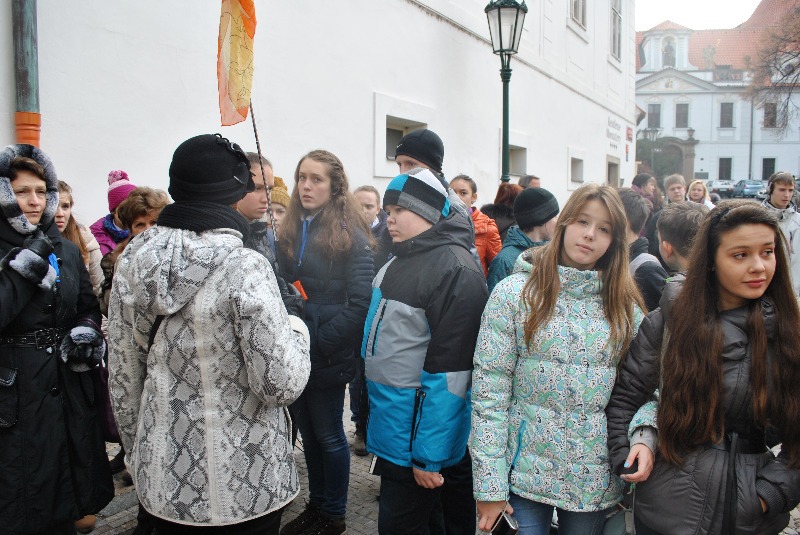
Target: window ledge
<point>578,29</point>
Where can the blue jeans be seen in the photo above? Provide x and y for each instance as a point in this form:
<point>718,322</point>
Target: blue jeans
<point>534,519</point>
<point>318,415</point>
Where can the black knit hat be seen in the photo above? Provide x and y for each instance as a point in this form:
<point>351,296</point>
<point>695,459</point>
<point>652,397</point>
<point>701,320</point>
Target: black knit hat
<point>424,146</point>
<point>209,168</point>
<point>534,207</point>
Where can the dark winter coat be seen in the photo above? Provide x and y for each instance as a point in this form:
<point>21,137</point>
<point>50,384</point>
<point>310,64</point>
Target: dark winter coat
<point>53,464</point>
<point>650,277</point>
<point>339,292</point>
<point>690,498</point>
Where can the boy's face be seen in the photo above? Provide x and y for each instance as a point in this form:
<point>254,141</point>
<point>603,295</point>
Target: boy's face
<point>253,206</point>
<point>404,224</point>
<point>407,163</point>
<point>369,203</point>
<point>676,192</point>
<point>781,196</point>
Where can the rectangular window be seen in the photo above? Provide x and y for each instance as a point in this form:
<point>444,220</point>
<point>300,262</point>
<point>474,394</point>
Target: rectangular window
<point>681,115</point>
<point>517,160</point>
<point>396,128</point>
<point>578,12</point>
<point>616,28</point>
<point>725,165</point>
<point>767,168</point>
<point>726,115</point>
<point>576,170</point>
<point>770,115</point>
<point>654,116</point>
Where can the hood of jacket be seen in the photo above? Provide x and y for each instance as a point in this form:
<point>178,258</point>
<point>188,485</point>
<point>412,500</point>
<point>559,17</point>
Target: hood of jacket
<point>576,282</point>
<point>455,229</point>
<point>516,238</point>
<point>672,288</point>
<point>174,263</point>
<point>781,213</point>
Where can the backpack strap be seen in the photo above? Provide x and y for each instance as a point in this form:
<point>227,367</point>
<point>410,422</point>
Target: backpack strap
<point>153,331</point>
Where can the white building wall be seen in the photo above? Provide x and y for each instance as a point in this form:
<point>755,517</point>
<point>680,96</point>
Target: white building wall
<point>123,83</point>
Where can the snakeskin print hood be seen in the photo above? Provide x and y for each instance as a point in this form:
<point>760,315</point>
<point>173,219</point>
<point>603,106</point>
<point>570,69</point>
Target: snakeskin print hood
<point>168,266</point>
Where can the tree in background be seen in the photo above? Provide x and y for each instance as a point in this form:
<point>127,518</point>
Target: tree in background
<point>776,73</point>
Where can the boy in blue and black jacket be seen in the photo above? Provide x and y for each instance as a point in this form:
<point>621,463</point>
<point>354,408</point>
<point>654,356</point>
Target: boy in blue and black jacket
<point>419,339</point>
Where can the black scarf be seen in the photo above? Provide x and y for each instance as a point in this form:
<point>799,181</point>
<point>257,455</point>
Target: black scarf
<point>200,216</point>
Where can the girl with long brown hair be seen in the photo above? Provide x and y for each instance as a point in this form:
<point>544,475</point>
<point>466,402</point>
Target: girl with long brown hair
<point>325,249</point>
<point>550,340</point>
<point>78,234</point>
<point>724,355</point>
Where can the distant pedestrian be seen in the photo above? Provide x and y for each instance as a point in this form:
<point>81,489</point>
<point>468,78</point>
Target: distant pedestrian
<point>107,230</point>
<point>487,237</point>
<point>536,211</point>
<point>502,209</point>
<point>698,192</point>
<point>781,189</point>
<point>530,181</point>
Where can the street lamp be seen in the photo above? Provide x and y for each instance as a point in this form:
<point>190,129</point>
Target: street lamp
<point>652,135</point>
<point>506,18</point>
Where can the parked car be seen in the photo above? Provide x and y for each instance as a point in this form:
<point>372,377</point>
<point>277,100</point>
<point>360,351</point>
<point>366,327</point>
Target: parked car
<point>762,194</point>
<point>747,188</point>
<point>723,188</point>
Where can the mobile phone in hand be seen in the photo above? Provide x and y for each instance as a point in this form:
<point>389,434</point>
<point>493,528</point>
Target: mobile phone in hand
<point>632,469</point>
<point>505,525</point>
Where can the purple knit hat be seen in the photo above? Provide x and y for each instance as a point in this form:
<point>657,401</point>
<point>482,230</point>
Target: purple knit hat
<point>119,187</point>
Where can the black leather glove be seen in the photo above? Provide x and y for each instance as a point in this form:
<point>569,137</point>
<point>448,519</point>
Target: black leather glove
<point>31,261</point>
<point>82,348</point>
<point>39,243</point>
<point>292,300</point>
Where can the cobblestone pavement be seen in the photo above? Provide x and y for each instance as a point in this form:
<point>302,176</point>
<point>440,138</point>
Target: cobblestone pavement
<point>119,517</point>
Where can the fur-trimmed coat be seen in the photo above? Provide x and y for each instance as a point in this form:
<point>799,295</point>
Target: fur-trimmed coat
<point>203,414</point>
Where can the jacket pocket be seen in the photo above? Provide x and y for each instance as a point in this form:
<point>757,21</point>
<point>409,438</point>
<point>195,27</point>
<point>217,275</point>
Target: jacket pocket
<point>749,514</point>
<point>9,397</point>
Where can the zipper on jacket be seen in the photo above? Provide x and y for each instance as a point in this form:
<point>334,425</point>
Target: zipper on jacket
<point>418,402</point>
<point>374,340</point>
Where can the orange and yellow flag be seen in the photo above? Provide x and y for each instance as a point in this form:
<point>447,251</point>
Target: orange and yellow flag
<point>237,29</point>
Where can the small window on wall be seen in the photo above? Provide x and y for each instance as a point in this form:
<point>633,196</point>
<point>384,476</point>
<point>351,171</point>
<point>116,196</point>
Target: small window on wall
<point>616,28</point>
<point>578,12</point>
<point>396,128</point>
<point>725,165</point>
<point>517,161</point>
<point>681,115</point>
<point>726,115</point>
<point>654,116</point>
<point>767,168</point>
<point>770,115</point>
<point>576,170</point>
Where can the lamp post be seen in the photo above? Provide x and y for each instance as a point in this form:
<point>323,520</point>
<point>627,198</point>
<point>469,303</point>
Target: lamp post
<point>506,18</point>
<point>652,135</point>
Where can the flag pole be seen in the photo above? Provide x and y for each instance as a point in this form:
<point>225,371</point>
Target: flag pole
<point>267,188</point>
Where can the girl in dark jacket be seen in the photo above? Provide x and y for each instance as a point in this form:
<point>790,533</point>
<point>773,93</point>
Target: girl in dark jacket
<point>53,465</point>
<point>727,377</point>
<point>325,249</point>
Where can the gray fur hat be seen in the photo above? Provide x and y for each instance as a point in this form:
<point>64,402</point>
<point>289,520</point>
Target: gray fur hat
<point>8,201</point>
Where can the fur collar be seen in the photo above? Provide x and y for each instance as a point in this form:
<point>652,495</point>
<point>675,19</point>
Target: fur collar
<point>9,207</point>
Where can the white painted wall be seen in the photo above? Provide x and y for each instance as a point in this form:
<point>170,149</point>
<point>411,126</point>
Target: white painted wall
<point>123,83</point>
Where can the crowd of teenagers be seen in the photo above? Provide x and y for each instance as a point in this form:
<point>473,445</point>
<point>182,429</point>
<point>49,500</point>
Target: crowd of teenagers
<point>625,361</point>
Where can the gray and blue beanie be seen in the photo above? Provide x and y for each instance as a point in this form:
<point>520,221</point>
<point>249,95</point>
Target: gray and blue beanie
<point>421,192</point>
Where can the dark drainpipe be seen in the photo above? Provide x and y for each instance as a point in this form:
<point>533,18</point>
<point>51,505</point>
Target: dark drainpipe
<point>26,71</point>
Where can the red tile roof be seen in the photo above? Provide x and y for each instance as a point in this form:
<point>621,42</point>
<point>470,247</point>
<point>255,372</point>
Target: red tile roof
<point>732,46</point>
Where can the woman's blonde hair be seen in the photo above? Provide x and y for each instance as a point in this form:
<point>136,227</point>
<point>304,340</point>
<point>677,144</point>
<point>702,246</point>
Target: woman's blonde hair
<point>619,290</point>
<point>693,183</point>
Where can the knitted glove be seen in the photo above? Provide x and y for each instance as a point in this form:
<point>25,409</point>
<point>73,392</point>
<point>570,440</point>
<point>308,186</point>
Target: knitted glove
<point>82,348</point>
<point>31,260</point>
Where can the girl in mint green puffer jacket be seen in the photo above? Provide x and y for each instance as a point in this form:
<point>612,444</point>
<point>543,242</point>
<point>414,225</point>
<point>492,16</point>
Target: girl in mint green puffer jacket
<point>551,337</point>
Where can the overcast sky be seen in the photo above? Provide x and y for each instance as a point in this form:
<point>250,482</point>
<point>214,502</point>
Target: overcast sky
<point>694,14</point>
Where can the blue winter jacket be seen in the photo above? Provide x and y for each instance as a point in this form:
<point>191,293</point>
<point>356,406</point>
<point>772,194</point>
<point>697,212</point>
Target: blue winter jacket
<point>419,338</point>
